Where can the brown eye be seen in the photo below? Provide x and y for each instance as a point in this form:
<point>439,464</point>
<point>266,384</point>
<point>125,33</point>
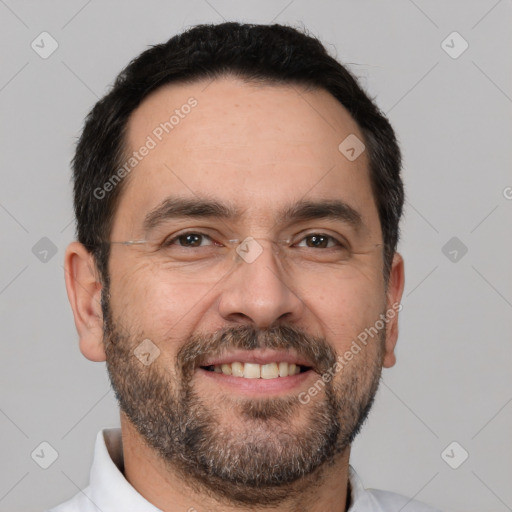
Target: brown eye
<point>190,239</point>
<point>320,241</point>
<point>193,240</point>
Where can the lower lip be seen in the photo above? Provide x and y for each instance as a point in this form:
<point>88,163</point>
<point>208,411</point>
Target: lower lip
<point>263,386</point>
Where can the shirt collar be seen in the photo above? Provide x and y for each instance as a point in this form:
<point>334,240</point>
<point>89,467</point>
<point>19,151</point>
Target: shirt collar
<point>359,498</point>
<point>109,488</point>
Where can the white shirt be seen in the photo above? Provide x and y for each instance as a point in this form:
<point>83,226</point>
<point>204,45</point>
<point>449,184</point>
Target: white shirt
<point>109,491</point>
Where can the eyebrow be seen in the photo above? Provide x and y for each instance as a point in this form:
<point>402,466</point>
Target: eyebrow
<point>179,207</point>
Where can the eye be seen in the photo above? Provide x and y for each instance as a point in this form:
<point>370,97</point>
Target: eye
<point>189,239</point>
<point>320,241</point>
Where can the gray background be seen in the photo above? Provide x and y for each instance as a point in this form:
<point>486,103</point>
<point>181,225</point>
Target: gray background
<point>452,381</point>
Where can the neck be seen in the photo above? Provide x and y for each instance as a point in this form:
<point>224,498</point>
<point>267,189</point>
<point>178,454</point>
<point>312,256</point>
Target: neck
<point>168,491</point>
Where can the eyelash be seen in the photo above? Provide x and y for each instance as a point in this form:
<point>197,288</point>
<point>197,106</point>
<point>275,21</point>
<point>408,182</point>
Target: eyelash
<point>170,241</point>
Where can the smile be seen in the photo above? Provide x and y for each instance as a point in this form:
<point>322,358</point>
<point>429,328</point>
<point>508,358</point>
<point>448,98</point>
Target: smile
<point>248,370</point>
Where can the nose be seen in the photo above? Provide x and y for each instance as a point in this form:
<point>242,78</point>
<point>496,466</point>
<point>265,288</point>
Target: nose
<point>258,289</point>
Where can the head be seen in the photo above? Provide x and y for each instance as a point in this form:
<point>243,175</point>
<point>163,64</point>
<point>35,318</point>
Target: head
<point>227,132</point>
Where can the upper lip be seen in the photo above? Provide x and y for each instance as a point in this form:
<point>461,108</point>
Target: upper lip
<point>258,356</point>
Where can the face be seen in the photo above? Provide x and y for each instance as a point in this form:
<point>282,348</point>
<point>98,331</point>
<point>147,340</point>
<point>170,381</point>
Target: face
<point>226,325</point>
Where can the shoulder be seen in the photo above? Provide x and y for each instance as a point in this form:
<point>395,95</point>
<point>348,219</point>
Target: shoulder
<point>376,500</point>
<point>80,502</point>
<point>388,501</point>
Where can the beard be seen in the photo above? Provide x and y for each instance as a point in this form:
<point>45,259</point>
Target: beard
<point>268,456</point>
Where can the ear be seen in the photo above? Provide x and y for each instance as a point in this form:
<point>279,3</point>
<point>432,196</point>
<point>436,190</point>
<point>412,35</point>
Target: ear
<point>393,306</point>
<point>84,286</point>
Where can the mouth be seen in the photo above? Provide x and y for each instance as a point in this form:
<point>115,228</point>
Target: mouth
<point>265,371</point>
<point>248,370</point>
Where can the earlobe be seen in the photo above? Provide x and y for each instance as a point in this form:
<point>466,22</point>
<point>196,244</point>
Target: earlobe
<point>84,287</point>
<point>394,296</point>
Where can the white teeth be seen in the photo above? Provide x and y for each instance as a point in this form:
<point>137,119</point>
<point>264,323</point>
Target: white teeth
<point>257,371</point>
<point>252,371</point>
<point>269,371</point>
<point>283,369</point>
<point>237,369</point>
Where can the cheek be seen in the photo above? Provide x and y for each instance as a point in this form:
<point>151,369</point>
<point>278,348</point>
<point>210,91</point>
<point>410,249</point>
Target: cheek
<point>145,299</point>
<point>345,308</point>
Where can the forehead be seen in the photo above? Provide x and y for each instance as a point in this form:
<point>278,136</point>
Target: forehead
<point>255,146</point>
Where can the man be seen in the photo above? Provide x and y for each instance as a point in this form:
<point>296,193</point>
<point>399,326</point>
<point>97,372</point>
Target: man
<point>238,199</point>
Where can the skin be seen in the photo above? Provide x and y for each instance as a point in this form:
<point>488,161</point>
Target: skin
<point>259,148</point>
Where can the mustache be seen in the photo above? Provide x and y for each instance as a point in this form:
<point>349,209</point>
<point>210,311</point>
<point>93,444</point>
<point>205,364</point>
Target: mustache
<point>247,337</point>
